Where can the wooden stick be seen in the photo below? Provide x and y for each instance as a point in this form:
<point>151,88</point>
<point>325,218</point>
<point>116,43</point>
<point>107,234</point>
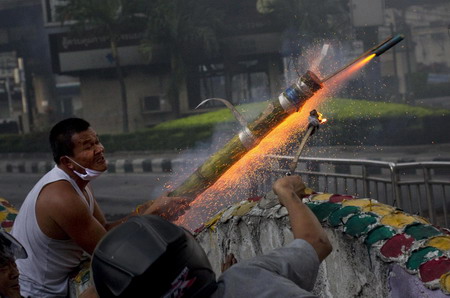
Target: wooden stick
<point>294,162</point>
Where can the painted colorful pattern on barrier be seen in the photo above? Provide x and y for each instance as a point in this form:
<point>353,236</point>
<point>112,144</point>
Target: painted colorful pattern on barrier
<point>408,240</point>
<point>79,281</point>
<point>7,214</point>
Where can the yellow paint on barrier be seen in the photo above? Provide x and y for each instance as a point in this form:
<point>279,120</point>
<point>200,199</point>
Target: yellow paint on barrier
<point>7,205</point>
<point>322,197</point>
<point>359,202</point>
<point>440,242</point>
<point>244,208</point>
<point>445,283</point>
<point>422,220</point>
<point>211,223</point>
<point>308,191</point>
<point>379,209</point>
<point>397,219</point>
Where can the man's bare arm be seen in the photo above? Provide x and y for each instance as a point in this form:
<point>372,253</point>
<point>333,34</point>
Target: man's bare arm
<point>167,207</point>
<point>66,212</point>
<point>163,206</point>
<point>304,223</point>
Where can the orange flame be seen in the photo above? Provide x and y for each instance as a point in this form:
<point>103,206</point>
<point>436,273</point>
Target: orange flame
<point>336,81</point>
<point>234,185</point>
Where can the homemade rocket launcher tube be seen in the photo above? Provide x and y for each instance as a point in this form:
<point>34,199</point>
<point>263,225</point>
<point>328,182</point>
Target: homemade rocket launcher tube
<point>291,100</point>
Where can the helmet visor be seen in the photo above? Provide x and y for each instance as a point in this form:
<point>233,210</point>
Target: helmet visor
<point>10,248</point>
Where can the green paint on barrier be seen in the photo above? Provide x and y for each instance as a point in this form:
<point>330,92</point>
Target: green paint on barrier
<point>322,211</point>
<point>11,216</point>
<point>421,231</point>
<point>359,224</point>
<point>335,219</point>
<point>422,255</point>
<point>311,205</point>
<point>378,234</point>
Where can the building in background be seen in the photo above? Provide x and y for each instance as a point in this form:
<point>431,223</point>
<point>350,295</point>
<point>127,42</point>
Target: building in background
<point>248,69</point>
<point>64,75</point>
<point>421,66</point>
<point>25,74</point>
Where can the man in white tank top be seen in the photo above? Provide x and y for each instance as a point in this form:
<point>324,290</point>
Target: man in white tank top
<point>60,218</point>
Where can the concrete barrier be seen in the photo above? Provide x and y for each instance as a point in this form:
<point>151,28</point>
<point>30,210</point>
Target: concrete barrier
<point>368,259</point>
<point>44,166</point>
<point>123,166</point>
<point>138,165</point>
<point>178,165</point>
<point>161,165</point>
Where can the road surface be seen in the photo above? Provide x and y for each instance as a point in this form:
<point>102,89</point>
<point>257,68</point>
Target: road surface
<point>117,194</point>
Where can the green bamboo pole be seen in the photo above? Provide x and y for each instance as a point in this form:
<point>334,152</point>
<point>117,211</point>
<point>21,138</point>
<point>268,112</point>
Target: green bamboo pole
<point>291,100</point>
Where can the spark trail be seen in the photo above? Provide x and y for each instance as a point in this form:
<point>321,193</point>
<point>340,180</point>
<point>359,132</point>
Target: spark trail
<point>234,185</point>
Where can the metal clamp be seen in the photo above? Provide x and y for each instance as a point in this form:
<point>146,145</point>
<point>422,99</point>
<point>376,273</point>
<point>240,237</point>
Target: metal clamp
<point>247,138</point>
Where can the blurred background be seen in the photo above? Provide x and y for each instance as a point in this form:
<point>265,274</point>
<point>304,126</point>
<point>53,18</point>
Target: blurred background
<point>127,65</point>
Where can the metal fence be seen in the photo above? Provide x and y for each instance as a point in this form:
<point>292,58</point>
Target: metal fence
<point>421,188</point>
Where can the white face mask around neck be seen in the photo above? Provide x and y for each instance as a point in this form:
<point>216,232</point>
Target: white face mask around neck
<point>90,174</point>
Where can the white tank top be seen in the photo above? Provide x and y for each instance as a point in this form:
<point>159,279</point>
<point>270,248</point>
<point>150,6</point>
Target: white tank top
<point>45,272</point>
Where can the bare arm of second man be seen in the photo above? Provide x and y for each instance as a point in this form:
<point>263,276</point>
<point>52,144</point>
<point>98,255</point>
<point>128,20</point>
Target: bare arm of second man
<point>304,223</point>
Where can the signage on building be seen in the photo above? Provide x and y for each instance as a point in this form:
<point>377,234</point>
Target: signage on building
<point>8,62</point>
<point>68,42</point>
<point>83,52</point>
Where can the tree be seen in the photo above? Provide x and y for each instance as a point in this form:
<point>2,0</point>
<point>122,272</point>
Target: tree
<point>188,30</point>
<point>309,20</point>
<point>111,19</point>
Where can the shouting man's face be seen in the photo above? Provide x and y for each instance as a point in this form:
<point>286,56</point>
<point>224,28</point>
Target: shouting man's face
<point>88,151</point>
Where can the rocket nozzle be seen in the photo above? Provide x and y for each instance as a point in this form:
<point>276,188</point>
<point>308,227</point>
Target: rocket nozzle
<point>387,45</point>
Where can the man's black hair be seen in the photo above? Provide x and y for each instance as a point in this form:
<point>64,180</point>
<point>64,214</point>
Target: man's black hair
<point>61,136</point>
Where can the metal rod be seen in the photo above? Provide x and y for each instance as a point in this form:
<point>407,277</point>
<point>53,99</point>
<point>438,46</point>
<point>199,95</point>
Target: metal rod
<point>410,199</point>
<point>293,164</point>
<point>365,182</point>
<point>419,197</point>
<point>429,192</point>
<point>386,192</point>
<point>445,206</point>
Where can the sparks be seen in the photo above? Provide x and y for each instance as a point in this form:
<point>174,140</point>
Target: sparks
<point>237,182</point>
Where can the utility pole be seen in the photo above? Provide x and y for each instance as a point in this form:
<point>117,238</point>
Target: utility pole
<point>8,62</point>
<point>8,94</point>
<point>19,78</point>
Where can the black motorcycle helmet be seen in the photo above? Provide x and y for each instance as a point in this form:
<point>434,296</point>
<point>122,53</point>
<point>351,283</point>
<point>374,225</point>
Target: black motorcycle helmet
<point>10,248</point>
<point>148,256</point>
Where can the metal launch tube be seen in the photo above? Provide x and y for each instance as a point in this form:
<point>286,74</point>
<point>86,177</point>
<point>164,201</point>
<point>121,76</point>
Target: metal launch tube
<point>291,100</point>
<point>387,45</point>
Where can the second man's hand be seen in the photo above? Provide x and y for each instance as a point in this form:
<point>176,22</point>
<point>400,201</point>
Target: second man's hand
<point>286,186</point>
<point>166,207</point>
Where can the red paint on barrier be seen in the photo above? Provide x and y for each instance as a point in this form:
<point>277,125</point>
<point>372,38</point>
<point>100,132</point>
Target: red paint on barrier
<point>397,246</point>
<point>434,269</point>
<point>339,198</point>
<point>254,199</point>
<point>7,224</point>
